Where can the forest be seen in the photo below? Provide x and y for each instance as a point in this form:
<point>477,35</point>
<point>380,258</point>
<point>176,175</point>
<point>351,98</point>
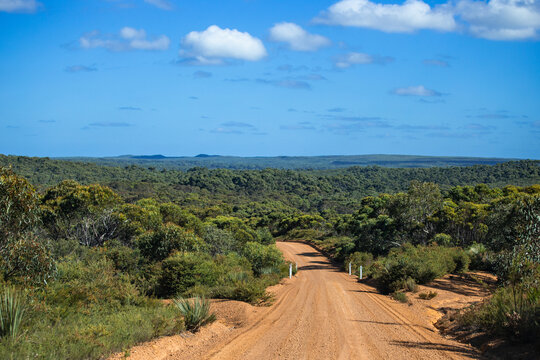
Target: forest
<point>158,234</point>
<point>286,162</point>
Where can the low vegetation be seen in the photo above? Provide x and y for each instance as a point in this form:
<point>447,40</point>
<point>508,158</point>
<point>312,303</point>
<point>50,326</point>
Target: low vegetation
<point>427,296</point>
<point>400,296</point>
<point>91,265</point>
<point>409,265</point>
<point>210,234</point>
<point>196,312</point>
<point>514,310</point>
<point>11,313</point>
<point>511,313</point>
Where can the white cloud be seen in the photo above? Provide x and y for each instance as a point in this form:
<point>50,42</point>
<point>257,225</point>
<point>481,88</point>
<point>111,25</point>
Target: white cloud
<point>297,38</point>
<point>137,40</point>
<point>355,58</point>
<point>211,46</point>
<point>26,6</point>
<point>419,90</point>
<point>491,19</point>
<point>162,4</point>
<point>501,19</point>
<point>128,39</point>
<point>412,15</point>
<point>352,59</point>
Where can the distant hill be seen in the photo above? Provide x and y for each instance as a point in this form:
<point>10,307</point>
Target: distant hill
<point>206,156</point>
<point>148,157</point>
<point>287,162</point>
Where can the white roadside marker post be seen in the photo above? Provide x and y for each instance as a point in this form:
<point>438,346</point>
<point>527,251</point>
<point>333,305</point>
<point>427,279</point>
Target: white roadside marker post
<point>360,272</point>
<point>296,267</point>
<point>350,265</point>
<point>290,270</point>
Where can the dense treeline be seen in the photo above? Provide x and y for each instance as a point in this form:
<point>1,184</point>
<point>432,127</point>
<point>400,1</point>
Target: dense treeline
<point>287,162</point>
<point>306,190</point>
<point>211,232</point>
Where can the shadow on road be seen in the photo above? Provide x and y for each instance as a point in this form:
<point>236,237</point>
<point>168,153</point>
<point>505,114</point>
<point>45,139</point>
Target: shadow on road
<point>365,291</point>
<point>440,347</point>
<point>393,323</point>
<point>320,262</point>
<point>318,267</point>
<point>310,254</point>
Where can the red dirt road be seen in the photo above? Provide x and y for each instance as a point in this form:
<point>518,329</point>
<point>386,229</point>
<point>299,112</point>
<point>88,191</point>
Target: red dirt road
<point>325,314</point>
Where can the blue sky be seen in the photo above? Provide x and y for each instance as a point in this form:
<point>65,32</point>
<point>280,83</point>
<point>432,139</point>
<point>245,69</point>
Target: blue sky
<point>270,77</point>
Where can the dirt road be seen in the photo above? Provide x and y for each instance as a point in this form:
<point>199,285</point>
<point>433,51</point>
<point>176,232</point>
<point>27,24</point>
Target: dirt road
<point>321,313</point>
<point>325,314</point>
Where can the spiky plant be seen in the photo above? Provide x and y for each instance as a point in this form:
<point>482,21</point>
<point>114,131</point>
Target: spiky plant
<point>196,312</point>
<point>11,313</point>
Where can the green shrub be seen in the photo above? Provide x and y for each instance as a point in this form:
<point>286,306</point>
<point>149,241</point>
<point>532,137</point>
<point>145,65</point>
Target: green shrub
<point>513,312</point>
<point>237,282</point>
<point>84,212</point>
<point>262,256</point>
<point>427,296</point>
<point>360,259</point>
<point>135,220</point>
<point>11,313</point>
<point>19,209</point>
<point>272,270</point>
<point>304,234</point>
<point>159,244</point>
<point>182,271</point>
<point>26,260</point>
<point>340,247</point>
<point>148,279</point>
<point>462,260</point>
<point>91,282</point>
<point>410,285</point>
<point>400,296</point>
<point>264,236</point>
<point>443,240</point>
<point>407,284</point>
<point>219,241</point>
<point>223,276</point>
<point>196,312</point>
<point>421,263</point>
<point>175,214</point>
<point>252,292</point>
<point>124,258</point>
<point>239,229</point>
<point>480,257</point>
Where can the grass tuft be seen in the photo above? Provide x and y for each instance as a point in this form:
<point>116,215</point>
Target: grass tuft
<point>427,296</point>
<point>196,312</point>
<point>410,285</point>
<point>11,313</point>
<point>400,296</point>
